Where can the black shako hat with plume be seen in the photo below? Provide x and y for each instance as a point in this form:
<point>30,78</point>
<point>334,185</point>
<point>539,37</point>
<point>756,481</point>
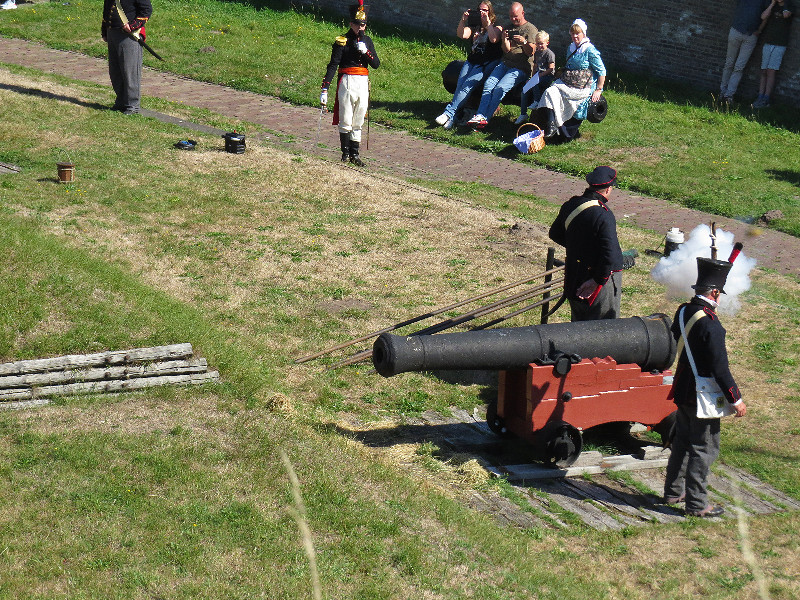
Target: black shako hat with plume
<point>712,273</point>
<point>358,13</point>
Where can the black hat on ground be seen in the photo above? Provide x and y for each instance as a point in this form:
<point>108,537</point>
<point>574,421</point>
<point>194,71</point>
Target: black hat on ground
<point>712,273</point>
<point>602,177</point>
<point>358,13</point>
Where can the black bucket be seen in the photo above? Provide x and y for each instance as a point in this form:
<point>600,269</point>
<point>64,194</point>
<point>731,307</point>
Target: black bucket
<point>234,142</point>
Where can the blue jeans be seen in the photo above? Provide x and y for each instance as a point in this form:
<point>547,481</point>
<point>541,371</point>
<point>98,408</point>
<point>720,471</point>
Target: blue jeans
<point>530,99</point>
<point>470,76</point>
<point>500,82</point>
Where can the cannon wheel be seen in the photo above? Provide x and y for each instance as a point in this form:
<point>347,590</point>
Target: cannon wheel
<point>666,429</point>
<point>563,445</point>
<point>496,422</point>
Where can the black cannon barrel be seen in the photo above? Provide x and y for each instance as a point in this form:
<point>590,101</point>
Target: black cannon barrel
<point>645,341</point>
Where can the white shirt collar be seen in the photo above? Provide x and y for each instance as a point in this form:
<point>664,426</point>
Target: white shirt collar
<point>707,299</point>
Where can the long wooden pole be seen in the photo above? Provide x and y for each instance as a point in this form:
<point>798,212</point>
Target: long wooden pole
<point>551,256</point>
<point>478,312</point>
<point>428,315</point>
<point>543,302</point>
<point>713,241</point>
<point>489,308</point>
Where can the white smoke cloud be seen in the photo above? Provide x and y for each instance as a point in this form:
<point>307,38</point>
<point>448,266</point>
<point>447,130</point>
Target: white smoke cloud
<point>678,271</point>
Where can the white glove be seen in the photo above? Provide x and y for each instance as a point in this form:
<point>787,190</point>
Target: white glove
<point>323,98</point>
<point>362,47</point>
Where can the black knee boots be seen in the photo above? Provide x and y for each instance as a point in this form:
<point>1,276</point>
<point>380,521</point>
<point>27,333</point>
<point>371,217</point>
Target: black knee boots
<point>551,128</point>
<point>344,138</point>
<point>350,150</point>
<point>354,154</point>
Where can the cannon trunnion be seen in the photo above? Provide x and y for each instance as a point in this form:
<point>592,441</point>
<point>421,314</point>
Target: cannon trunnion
<point>548,391</point>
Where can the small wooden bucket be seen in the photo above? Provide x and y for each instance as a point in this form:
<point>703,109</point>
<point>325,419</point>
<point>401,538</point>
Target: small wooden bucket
<point>66,172</point>
<point>537,143</point>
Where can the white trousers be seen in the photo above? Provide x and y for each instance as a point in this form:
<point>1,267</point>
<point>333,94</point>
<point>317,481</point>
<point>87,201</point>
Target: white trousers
<point>353,97</point>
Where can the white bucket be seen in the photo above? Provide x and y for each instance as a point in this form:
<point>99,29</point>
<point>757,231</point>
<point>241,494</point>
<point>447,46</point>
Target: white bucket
<point>674,239</point>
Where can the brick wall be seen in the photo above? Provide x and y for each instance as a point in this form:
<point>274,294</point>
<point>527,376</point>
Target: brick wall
<point>680,41</point>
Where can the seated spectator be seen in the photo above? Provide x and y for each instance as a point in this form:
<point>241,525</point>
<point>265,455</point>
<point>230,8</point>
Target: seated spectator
<point>484,56</point>
<point>566,102</point>
<point>518,49</point>
<point>544,60</point>
<point>777,20</point>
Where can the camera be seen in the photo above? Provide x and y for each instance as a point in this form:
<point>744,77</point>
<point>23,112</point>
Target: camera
<point>510,33</point>
<point>474,18</point>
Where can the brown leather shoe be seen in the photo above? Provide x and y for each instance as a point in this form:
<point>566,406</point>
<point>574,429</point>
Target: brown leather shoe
<point>708,512</point>
<point>674,499</point>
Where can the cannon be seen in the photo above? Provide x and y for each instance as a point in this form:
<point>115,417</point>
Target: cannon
<point>555,380</point>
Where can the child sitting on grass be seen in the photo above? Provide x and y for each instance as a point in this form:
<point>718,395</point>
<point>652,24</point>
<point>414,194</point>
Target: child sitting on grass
<point>545,61</point>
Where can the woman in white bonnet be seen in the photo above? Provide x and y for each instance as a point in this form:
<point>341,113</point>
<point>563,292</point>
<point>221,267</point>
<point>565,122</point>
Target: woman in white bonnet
<point>566,101</point>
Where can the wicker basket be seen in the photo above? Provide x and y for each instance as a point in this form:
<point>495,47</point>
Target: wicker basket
<point>537,143</point>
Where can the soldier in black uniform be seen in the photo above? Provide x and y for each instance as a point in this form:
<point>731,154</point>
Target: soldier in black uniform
<point>587,229</point>
<point>121,18</point>
<point>696,443</point>
<point>352,55</point>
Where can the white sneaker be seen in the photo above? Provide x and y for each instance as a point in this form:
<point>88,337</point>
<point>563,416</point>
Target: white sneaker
<point>8,5</point>
<point>476,119</point>
<point>450,124</point>
<point>442,119</point>
<point>521,119</point>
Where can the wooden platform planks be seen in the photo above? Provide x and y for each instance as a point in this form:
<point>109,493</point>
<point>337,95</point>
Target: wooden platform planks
<point>585,489</point>
<point>776,497</point>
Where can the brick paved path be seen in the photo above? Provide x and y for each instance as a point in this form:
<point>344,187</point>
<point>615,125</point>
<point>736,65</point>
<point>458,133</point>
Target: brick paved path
<point>402,155</point>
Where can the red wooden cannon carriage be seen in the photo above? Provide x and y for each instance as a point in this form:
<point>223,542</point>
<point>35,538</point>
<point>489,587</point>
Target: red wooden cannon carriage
<point>551,409</point>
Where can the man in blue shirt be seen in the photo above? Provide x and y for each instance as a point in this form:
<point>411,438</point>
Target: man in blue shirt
<point>742,40</point>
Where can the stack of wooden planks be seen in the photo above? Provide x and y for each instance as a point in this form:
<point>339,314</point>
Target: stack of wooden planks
<point>31,382</point>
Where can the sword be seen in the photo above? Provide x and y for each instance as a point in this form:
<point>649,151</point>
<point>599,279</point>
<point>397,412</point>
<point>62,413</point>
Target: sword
<point>142,43</point>
<point>369,92</point>
<point>134,35</point>
<point>322,110</point>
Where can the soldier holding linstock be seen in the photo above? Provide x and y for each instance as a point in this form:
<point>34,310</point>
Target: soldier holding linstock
<point>352,55</point>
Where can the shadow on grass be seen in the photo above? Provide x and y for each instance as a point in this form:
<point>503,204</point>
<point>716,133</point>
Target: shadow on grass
<point>659,90</point>
<point>465,441</point>
<point>792,177</point>
<point>406,32</point>
<point>501,129</point>
<point>20,89</point>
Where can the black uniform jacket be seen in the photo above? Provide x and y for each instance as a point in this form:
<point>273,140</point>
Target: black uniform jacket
<point>345,54</point>
<point>137,12</point>
<point>707,342</point>
<point>591,242</point>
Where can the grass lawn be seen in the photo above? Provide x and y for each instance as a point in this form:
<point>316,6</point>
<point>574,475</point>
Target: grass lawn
<point>181,493</point>
<point>667,141</point>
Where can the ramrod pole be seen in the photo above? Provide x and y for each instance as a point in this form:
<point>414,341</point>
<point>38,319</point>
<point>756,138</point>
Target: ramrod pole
<point>645,341</point>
